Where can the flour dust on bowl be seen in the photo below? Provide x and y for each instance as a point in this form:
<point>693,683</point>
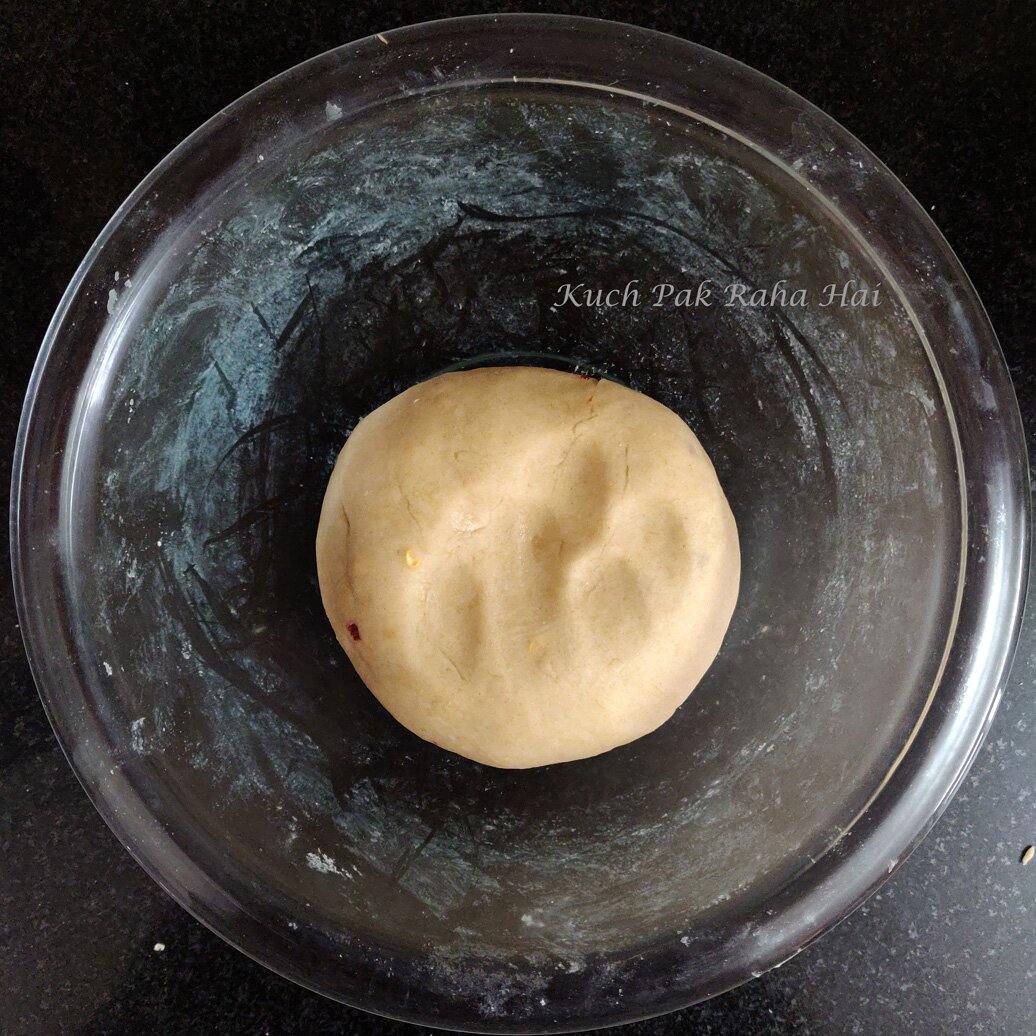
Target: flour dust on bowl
<point>412,204</point>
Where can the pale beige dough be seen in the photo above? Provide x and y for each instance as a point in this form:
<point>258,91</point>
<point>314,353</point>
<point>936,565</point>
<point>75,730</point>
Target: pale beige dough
<point>524,566</point>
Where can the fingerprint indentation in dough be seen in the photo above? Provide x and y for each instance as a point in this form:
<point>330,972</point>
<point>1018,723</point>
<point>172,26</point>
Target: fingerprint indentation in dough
<point>459,617</point>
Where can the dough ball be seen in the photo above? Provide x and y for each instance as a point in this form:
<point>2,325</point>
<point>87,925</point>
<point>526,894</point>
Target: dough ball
<point>526,566</point>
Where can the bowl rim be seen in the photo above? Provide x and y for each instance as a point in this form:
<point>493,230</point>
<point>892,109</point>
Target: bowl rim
<point>998,523</point>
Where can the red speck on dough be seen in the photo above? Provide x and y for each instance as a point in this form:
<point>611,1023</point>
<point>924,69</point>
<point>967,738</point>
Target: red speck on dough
<point>354,631</point>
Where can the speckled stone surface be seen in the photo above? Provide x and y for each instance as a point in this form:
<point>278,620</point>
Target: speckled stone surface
<point>96,93</point>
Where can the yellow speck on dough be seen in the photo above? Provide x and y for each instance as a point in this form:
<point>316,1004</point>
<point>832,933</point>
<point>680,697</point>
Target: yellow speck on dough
<point>1028,854</point>
<point>411,559</point>
<point>535,644</point>
<point>382,38</point>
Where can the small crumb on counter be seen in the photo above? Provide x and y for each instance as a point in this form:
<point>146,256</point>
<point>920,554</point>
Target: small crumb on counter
<point>159,947</point>
<point>1029,853</point>
<point>383,39</point>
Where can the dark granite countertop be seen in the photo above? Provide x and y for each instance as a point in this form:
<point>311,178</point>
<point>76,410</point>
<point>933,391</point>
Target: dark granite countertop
<point>95,92</point>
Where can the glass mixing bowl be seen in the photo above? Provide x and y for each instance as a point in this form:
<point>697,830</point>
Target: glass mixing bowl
<point>412,203</point>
